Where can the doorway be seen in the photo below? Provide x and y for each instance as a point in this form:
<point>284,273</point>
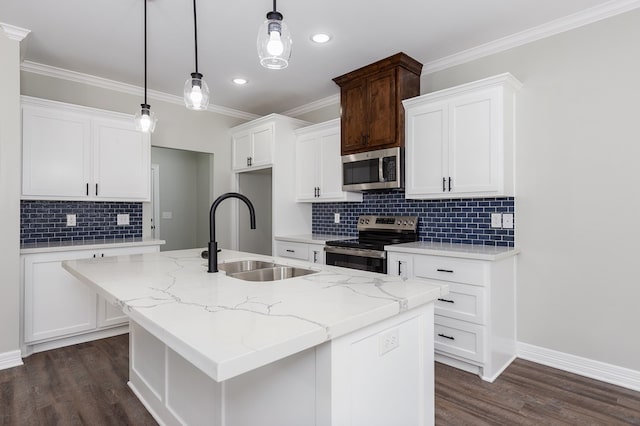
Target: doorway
<point>256,185</point>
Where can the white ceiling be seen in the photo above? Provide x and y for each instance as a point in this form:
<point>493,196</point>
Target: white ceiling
<point>104,38</point>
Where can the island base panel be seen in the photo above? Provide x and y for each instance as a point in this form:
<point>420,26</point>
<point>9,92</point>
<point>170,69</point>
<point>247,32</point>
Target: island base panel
<point>379,375</point>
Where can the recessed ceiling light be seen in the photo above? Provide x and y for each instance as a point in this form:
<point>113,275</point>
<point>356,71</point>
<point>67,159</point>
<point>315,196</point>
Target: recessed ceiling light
<point>240,81</point>
<point>320,38</point>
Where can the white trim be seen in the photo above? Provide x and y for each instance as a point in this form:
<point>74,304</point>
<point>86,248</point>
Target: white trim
<point>77,77</point>
<point>10,359</point>
<point>604,372</point>
<point>13,32</point>
<point>312,106</point>
<point>579,19</point>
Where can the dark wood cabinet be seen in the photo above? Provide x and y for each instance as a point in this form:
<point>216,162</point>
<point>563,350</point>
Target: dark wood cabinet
<point>371,97</point>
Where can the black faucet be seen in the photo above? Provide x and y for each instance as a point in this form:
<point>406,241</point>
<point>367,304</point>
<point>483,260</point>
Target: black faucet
<point>213,244</point>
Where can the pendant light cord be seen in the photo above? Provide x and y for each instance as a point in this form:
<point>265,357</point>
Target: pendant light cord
<point>145,52</point>
<point>274,5</point>
<point>195,31</point>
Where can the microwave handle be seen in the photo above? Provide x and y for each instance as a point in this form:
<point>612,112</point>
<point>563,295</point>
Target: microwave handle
<point>381,169</point>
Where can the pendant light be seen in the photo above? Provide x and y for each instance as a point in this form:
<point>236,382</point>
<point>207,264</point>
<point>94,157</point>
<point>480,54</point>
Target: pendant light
<point>196,91</point>
<point>274,41</point>
<point>145,119</point>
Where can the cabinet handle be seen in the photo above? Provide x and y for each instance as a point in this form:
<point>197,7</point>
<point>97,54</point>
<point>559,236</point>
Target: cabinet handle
<point>399,268</point>
<point>443,183</point>
<point>96,189</point>
<point>447,300</point>
<point>449,183</point>
<point>450,271</point>
<point>366,139</point>
<point>87,189</point>
<point>315,256</point>
<point>290,251</point>
<point>94,255</point>
<point>315,191</point>
<point>318,192</point>
<point>446,337</point>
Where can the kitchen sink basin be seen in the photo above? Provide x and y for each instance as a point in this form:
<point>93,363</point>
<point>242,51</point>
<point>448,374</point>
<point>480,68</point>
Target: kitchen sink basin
<point>244,266</point>
<point>278,272</point>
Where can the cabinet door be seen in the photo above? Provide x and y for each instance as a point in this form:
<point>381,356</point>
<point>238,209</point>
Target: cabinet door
<point>474,143</point>
<point>354,118</point>
<point>262,145</point>
<point>426,150</point>
<point>382,105</point>
<point>121,161</point>
<point>241,146</point>
<point>56,153</point>
<point>307,167</point>
<point>56,303</point>
<point>330,169</point>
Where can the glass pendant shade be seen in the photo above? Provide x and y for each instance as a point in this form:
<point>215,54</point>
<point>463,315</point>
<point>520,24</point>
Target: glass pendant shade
<point>274,42</point>
<point>196,92</point>
<point>145,119</point>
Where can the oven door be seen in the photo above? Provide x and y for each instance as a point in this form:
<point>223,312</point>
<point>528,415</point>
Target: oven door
<point>355,258</point>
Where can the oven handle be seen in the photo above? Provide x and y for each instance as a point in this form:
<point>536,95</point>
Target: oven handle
<point>356,252</point>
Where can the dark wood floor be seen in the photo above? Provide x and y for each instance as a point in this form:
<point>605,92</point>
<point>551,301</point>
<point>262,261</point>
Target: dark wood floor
<point>86,385</point>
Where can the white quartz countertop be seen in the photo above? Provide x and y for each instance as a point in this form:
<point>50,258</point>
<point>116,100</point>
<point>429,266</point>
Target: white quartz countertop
<point>226,326</point>
<point>311,238</point>
<point>465,251</point>
<point>88,245</point>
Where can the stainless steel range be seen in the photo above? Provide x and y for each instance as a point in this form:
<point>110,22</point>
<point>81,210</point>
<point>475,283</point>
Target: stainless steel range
<point>367,251</point>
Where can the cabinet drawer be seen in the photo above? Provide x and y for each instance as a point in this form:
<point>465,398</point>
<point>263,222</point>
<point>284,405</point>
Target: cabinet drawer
<point>459,338</point>
<point>464,302</point>
<point>293,250</point>
<point>451,269</point>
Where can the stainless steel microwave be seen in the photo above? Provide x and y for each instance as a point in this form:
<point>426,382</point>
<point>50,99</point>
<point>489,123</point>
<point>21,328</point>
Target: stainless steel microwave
<point>381,169</point>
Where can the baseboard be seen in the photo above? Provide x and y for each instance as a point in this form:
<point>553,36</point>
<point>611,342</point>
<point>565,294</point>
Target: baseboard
<point>604,372</point>
<point>10,359</point>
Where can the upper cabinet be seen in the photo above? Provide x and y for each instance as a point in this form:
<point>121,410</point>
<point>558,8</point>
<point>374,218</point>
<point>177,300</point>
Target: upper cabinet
<point>460,141</point>
<point>370,100</point>
<point>77,153</point>
<point>319,164</point>
<point>252,147</point>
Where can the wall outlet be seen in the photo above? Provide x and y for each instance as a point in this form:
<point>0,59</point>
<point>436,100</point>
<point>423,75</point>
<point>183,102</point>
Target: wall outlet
<point>167,215</point>
<point>71,220</point>
<point>123,219</point>
<point>507,221</point>
<point>336,218</point>
<point>496,220</point>
<point>388,341</point>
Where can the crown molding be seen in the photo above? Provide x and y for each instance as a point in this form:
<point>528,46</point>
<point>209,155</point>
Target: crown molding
<point>312,106</point>
<point>13,32</point>
<point>576,20</point>
<point>118,86</point>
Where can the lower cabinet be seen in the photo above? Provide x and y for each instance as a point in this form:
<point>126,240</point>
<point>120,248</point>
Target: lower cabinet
<point>58,306</point>
<point>475,323</point>
<point>313,253</point>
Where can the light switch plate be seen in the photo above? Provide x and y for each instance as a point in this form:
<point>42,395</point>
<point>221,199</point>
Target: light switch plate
<point>167,215</point>
<point>496,220</point>
<point>507,221</point>
<point>123,219</point>
<point>71,220</point>
<point>336,218</point>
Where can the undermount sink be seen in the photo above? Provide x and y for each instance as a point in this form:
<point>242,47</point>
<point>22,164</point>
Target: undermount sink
<point>258,270</point>
<point>244,265</point>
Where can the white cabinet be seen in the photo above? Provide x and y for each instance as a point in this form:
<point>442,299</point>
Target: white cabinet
<point>77,153</point>
<point>58,305</point>
<point>460,141</point>
<point>313,253</point>
<point>475,322</point>
<point>319,164</point>
<point>253,147</point>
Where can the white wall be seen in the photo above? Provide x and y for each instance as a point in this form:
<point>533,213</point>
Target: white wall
<point>578,186</point>
<point>10,160</point>
<point>177,127</point>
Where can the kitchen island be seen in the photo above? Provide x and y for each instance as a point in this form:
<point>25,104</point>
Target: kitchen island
<point>336,347</point>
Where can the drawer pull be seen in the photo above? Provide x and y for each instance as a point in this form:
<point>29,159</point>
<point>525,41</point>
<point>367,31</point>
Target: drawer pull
<point>290,251</point>
<point>447,300</point>
<point>446,337</point>
<point>450,271</point>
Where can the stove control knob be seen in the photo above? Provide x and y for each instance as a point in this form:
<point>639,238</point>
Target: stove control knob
<point>399,222</point>
<point>410,223</point>
<point>367,221</point>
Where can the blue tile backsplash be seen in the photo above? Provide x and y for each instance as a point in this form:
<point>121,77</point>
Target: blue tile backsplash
<point>46,221</point>
<point>463,221</point>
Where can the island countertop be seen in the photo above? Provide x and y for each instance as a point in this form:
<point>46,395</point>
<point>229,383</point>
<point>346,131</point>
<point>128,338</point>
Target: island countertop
<point>226,326</point>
